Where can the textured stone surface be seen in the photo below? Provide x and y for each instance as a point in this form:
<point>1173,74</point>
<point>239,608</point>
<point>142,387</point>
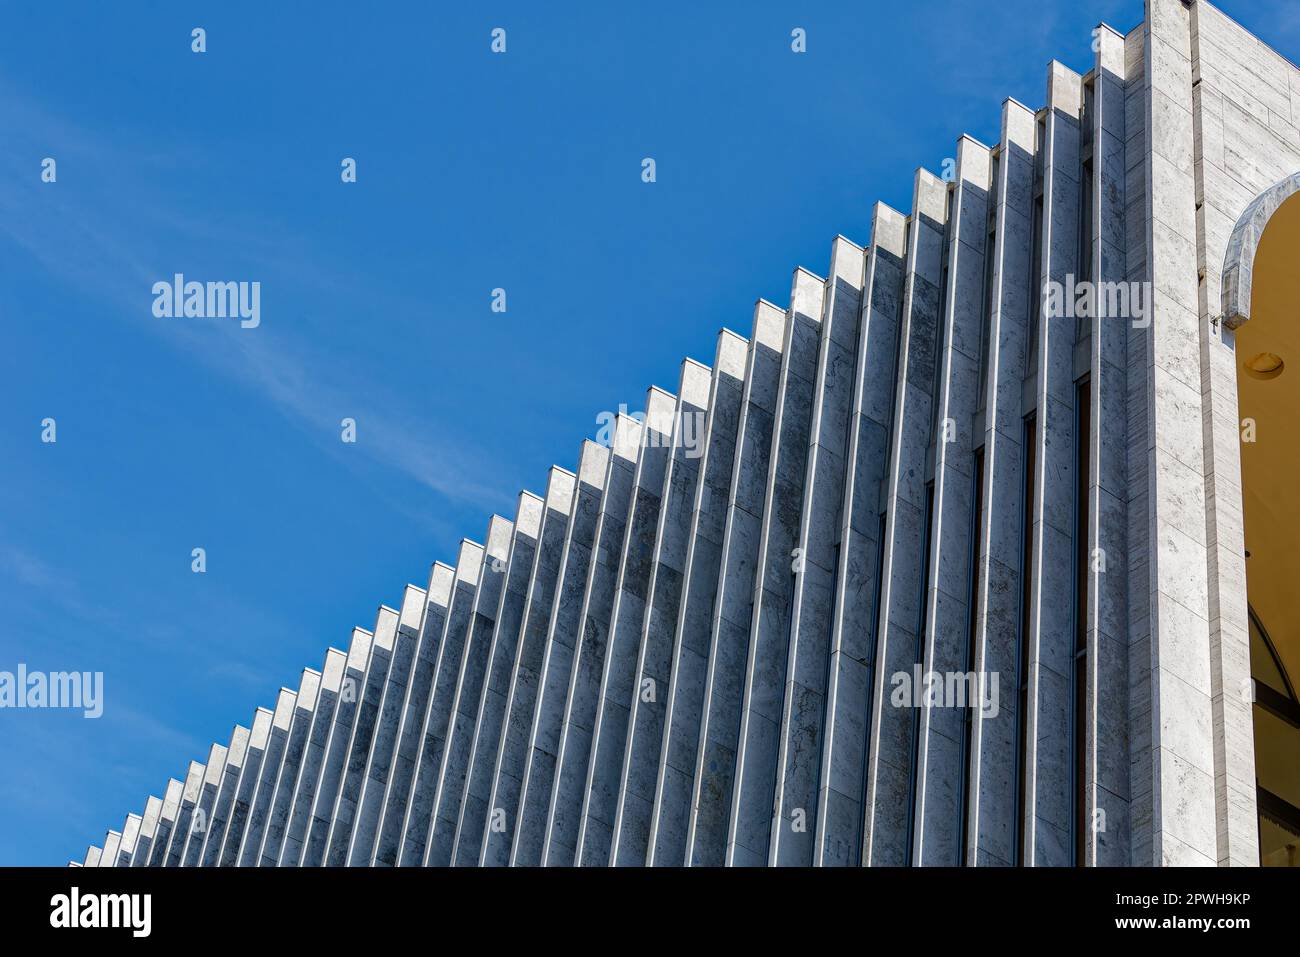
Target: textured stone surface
<point>184,814</point>
<point>890,765</point>
<point>379,760</point>
<point>815,561</point>
<point>289,850</point>
<point>529,520</point>
<point>561,838</point>
<point>670,814</point>
<point>1108,789</point>
<point>993,781</point>
<point>854,611</point>
<point>245,789</point>
<point>428,622</point>
<point>529,836</point>
<point>236,754</point>
<point>296,745</point>
<point>1047,785</point>
<point>715,757</point>
<point>148,828</point>
<point>130,834</point>
<point>464,708</point>
<point>750,824</point>
<point>942,761</point>
<point>431,738</point>
<point>364,728</point>
<point>618,681</point>
<point>649,698</point>
<point>1230,68</point>
<point>336,750</point>
<point>166,824</point>
<point>511,756</point>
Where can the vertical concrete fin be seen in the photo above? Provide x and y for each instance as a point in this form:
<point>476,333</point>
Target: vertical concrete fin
<point>305,714</point>
<point>427,635</point>
<point>579,707</point>
<point>1186,789</point>
<point>649,699</point>
<point>753,795</point>
<point>1048,825</point>
<point>359,650</point>
<point>386,622</point>
<point>464,706</point>
<point>130,834</point>
<point>166,822</point>
<point>181,829</point>
<point>1230,67</point>
<point>512,751</point>
<point>530,521</point>
<point>406,628</point>
<point>815,561</point>
<point>202,816</point>
<point>669,819</point>
<point>386,653</point>
<point>112,840</point>
<point>627,616</point>
<point>216,764</point>
<point>626,443</point>
<point>1106,807</point>
<point>226,852</point>
<point>529,838</point>
<point>442,578</point>
<point>236,755</point>
<point>263,791</point>
<point>414,600</point>
<point>310,766</point>
<point>838,832</point>
<point>891,747</point>
<point>732,611</point>
<point>528,517</point>
<point>309,844</point>
<point>948,645</point>
<point>261,729</point>
<point>332,673</point>
<point>425,751</point>
<point>148,829</point>
<point>991,826</point>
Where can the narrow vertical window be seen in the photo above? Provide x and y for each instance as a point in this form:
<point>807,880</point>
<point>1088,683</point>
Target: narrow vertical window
<point>1087,216</point>
<point>972,634</point>
<point>896,371</point>
<point>1082,323</point>
<point>1022,651</point>
<point>990,243</point>
<point>871,670</point>
<point>1082,569</point>
<point>1036,254</point>
<point>918,655</point>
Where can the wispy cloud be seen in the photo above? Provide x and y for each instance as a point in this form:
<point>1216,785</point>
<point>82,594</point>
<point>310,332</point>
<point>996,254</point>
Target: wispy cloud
<point>105,250</point>
<point>301,386</point>
<point>27,568</point>
<point>45,586</point>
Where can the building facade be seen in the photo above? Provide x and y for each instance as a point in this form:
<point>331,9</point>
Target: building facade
<point>977,552</point>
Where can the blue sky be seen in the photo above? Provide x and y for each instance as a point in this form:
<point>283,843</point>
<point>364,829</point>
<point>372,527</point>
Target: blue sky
<point>475,171</point>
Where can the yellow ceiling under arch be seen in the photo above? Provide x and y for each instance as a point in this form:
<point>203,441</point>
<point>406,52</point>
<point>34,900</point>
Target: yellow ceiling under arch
<point>1268,390</point>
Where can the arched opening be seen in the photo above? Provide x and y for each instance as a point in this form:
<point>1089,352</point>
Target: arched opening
<point>1268,392</point>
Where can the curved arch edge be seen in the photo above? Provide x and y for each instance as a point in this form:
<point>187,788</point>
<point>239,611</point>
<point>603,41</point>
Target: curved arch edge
<point>1243,244</point>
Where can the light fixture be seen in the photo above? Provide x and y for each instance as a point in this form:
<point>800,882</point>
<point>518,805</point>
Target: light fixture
<point>1266,365</point>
